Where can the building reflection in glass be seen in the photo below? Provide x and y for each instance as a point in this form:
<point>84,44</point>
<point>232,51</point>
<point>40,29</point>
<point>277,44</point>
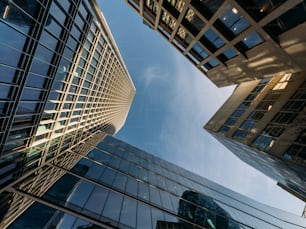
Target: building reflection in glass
<point>119,186</point>
<point>204,211</point>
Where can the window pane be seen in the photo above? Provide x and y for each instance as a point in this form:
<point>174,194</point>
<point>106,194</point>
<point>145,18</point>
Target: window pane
<point>230,53</point>
<point>4,91</point>
<point>143,216</point>
<point>35,81</point>
<point>98,194</point>
<point>80,196</point>
<point>25,108</point>
<point>193,22</point>
<point>120,181</point>
<point>252,40</point>
<point>31,94</point>
<point>9,55</point>
<point>53,27</point>
<point>57,13</point>
<point>128,212</point>
<point>232,19</point>
<point>11,37</point>
<point>113,206</point>
<point>214,38</point>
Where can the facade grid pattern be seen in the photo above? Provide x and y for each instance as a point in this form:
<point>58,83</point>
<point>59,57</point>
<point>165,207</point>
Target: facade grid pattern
<point>226,39</point>
<point>63,82</point>
<point>138,190</point>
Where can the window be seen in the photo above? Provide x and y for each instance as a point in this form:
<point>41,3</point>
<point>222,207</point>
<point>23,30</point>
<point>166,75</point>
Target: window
<point>31,94</point>
<point>256,115</point>
<point>224,129</point>
<point>143,216</point>
<point>247,125</point>
<point>297,151</point>
<point>53,27</point>
<point>259,9</point>
<point>252,40</point>
<point>192,22</point>
<point>273,130</point>
<point>263,143</point>
<point>26,108</point>
<point>39,67</point>
<point>10,36</point>
<point>5,91</point>
<point>294,106</point>
<point>57,13</point>
<point>235,22</point>
<point>128,212</point>
<point>229,53</point>
<point>286,21</point>
<point>284,118</point>
<point>240,134</point>
<point>17,134</point>
<point>35,81</point>
<point>211,40</point>
<point>212,63</point>
<point>198,52</point>
<point>207,7</point>
<point>13,54</point>
<point>113,206</point>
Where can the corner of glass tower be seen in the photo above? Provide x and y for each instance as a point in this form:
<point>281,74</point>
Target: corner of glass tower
<point>63,84</point>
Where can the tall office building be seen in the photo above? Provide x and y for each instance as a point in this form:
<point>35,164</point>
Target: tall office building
<point>263,122</point>
<point>63,82</point>
<point>119,186</point>
<point>232,41</point>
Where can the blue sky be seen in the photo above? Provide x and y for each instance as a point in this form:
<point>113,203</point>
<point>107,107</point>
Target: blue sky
<point>172,103</point>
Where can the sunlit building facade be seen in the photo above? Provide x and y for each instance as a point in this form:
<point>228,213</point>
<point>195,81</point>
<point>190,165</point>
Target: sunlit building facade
<point>264,123</point>
<point>119,186</point>
<point>63,82</point>
<point>232,41</point>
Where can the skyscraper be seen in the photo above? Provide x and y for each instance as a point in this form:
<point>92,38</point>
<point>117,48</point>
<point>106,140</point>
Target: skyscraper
<point>232,41</point>
<point>63,82</point>
<point>119,186</point>
<point>263,123</point>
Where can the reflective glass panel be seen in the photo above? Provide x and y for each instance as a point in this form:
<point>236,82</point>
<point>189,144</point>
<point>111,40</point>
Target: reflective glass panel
<point>234,21</point>
<point>252,40</point>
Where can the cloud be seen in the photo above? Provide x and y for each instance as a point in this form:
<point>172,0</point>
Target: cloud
<point>194,99</point>
<point>151,73</point>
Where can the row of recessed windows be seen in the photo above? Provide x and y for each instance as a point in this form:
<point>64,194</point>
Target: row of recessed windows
<point>135,155</point>
<point>232,20</point>
<point>297,151</point>
<point>230,24</point>
<point>263,107</point>
<point>243,106</point>
<point>281,120</point>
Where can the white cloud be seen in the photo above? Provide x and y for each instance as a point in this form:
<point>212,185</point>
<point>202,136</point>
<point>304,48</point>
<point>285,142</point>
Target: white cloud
<point>194,100</point>
<point>151,74</point>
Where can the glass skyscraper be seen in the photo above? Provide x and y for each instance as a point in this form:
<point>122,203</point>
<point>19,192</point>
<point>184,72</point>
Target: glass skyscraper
<point>63,82</point>
<point>117,185</point>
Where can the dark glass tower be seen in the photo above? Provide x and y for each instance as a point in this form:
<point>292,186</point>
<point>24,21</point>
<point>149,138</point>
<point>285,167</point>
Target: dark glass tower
<point>119,186</point>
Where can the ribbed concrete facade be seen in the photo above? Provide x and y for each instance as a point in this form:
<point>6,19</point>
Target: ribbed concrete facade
<point>232,41</point>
